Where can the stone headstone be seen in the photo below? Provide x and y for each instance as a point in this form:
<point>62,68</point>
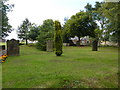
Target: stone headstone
<point>49,46</point>
<point>13,47</point>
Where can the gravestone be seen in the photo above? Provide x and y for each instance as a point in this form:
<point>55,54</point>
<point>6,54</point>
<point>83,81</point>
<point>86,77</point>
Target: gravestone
<point>49,46</point>
<point>13,47</point>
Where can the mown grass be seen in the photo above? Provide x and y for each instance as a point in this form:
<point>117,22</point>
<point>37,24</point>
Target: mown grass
<point>2,43</point>
<point>78,67</point>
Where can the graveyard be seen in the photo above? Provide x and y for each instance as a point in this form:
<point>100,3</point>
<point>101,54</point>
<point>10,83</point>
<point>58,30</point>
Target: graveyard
<point>59,44</point>
<point>78,67</point>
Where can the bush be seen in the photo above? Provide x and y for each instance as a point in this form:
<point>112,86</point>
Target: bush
<point>31,45</point>
<point>46,33</point>
<point>21,44</point>
<point>41,46</point>
<point>58,39</point>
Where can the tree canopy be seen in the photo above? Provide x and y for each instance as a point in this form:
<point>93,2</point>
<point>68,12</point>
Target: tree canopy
<point>46,33</point>
<point>23,30</point>
<point>80,24</point>
<point>34,32</point>
<point>6,27</point>
<point>112,12</point>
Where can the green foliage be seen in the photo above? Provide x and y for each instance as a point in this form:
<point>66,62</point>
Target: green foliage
<point>107,15</point>
<point>88,8</point>
<point>41,44</point>
<point>46,33</point>
<point>98,16</point>
<point>58,39</point>
<point>112,12</point>
<point>6,27</point>
<point>23,30</point>
<point>80,25</point>
<point>33,33</point>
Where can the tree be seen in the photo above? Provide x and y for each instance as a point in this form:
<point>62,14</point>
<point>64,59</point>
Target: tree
<point>33,33</point>
<point>23,30</point>
<point>6,27</point>
<point>89,8</point>
<point>46,33</point>
<point>99,17</point>
<point>80,25</point>
<point>112,12</point>
<point>58,39</point>
<point>65,35</point>
<point>97,34</point>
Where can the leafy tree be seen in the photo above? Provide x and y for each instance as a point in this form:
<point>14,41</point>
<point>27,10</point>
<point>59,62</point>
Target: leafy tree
<point>65,34</point>
<point>6,27</point>
<point>33,33</point>
<point>46,33</point>
<point>58,39</point>
<point>23,30</point>
<point>112,12</point>
<point>99,17</point>
<point>80,25</point>
<point>89,8</point>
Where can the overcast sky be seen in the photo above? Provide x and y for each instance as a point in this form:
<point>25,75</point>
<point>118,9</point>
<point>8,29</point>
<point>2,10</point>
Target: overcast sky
<point>38,10</point>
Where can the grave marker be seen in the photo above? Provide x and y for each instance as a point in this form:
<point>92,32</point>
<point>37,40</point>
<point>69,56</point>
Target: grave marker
<point>13,47</point>
<point>49,46</point>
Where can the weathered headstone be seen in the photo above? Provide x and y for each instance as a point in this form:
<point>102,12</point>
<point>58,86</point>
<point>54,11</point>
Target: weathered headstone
<point>13,47</point>
<point>49,46</point>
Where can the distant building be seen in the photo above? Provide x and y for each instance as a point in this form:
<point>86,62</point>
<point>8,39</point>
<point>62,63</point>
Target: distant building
<point>83,40</point>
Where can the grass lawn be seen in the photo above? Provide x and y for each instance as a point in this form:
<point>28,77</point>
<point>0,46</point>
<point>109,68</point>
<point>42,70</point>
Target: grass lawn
<point>2,43</point>
<point>78,67</point>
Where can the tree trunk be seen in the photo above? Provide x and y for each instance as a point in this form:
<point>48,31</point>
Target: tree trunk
<point>78,42</point>
<point>105,42</point>
<point>95,45</point>
<point>26,41</point>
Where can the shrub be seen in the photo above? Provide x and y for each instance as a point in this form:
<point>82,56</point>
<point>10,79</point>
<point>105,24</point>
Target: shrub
<point>58,39</point>
<point>41,45</point>
<point>46,33</point>
<point>21,44</point>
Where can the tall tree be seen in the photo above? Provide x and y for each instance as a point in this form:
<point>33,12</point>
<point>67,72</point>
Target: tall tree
<point>46,33</point>
<point>80,25</point>
<point>64,32</point>
<point>112,12</point>
<point>34,32</point>
<point>97,16</point>
<point>5,27</point>
<point>23,30</point>
<point>58,39</point>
